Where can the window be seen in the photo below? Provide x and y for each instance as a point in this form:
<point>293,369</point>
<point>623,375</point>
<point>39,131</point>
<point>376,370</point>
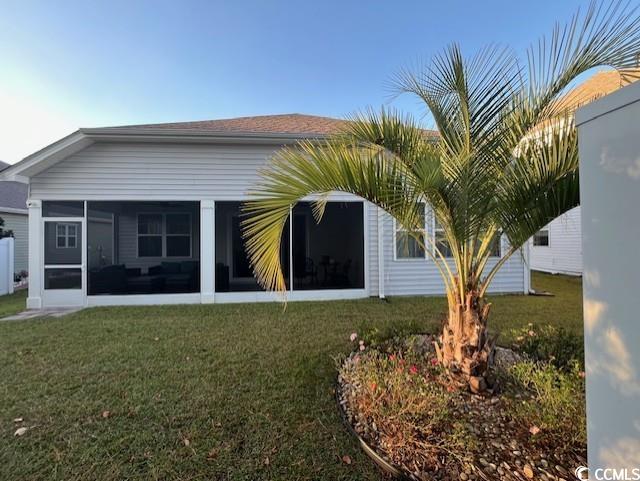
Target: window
<point>443,245</point>
<point>178,235</point>
<point>150,235</point>
<point>66,236</point>
<point>541,238</point>
<point>407,246</point>
<point>495,245</point>
<point>164,235</point>
<point>440,240</point>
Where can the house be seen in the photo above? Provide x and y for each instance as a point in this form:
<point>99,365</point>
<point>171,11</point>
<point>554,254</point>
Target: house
<point>557,248</point>
<point>13,210</point>
<point>150,214</point>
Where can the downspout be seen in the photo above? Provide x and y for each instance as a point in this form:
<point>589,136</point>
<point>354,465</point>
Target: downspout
<point>527,268</point>
<point>380,253</point>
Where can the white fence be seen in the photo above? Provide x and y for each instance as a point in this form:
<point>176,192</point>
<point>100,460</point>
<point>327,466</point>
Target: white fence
<point>6,265</point>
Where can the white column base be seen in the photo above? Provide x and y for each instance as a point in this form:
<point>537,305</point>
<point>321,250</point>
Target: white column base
<point>34,303</point>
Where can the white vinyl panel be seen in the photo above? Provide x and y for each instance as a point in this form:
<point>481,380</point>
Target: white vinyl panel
<point>564,253</point>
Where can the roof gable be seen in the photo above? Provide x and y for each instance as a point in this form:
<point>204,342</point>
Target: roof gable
<point>598,85</point>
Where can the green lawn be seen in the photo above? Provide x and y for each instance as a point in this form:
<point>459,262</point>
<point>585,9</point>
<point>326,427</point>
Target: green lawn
<point>237,392</point>
<point>13,304</point>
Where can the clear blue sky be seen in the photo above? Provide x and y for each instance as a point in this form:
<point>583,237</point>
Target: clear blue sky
<point>65,64</point>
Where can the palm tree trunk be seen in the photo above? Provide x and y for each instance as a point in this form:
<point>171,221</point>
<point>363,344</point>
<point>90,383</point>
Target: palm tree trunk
<point>466,350</point>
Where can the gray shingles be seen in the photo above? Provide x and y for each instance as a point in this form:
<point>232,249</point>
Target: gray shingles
<point>13,195</point>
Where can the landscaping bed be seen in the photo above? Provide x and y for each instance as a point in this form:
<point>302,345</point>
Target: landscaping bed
<point>401,403</point>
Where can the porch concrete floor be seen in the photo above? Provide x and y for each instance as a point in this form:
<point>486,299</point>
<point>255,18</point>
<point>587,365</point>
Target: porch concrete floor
<point>50,312</point>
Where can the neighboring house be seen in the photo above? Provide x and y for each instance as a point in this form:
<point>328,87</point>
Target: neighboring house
<point>13,210</point>
<point>557,248</point>
<point>150,214</point>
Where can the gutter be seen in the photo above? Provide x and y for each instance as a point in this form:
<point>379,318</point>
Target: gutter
<point>194,135</point>
<point>13,210</point>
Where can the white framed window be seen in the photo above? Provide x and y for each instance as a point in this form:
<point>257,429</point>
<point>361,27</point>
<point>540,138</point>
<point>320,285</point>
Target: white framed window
<point>66,236</point>
<point>442,244</point>
<point>541,238</point>
<point>439,239</point>
<point>150,235</point>
<point>406,246</point>
<point>177,235</point>
<point>164,235</point>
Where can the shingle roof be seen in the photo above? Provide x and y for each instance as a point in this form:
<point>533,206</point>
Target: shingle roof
<point>598,85</point>
<point>3,165</point>
<point>273,124</point>
<point>13,195</point>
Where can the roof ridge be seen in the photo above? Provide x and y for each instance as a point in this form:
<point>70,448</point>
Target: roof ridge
<point>228,119</point>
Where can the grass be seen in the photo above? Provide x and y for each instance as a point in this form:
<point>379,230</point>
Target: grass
<point>226,392</point>
<point>12,304</point>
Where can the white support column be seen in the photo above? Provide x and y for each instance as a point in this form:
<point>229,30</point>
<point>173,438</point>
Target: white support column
<point>36,274</point>
<point>290,248</point>
<point>207,251</point>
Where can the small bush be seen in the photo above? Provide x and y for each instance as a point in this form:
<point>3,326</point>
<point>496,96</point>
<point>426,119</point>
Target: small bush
<point>556,406</point>
<point>551,344</point>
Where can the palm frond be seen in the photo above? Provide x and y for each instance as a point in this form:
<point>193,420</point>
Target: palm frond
<point>505,159</point>
<point>370,172</point>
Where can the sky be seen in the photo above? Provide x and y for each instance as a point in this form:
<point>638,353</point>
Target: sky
<point>65,65</point>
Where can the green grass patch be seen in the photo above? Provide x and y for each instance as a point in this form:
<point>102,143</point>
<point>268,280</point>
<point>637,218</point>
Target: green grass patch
<point>13,303</point>
<point>225,392</point>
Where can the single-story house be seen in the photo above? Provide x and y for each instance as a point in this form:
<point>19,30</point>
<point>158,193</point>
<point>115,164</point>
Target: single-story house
<point>150,214</point>
<point>13,210</point>
<point>557,248</point>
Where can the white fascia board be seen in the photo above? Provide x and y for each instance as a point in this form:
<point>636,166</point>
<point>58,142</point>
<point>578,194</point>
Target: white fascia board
<point>45,158</point>
<point>195,136</point>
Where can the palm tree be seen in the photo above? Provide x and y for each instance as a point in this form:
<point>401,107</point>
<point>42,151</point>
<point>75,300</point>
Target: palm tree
<point>504,163</point>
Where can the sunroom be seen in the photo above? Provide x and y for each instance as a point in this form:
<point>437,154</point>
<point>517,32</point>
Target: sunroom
<point>148,252</point>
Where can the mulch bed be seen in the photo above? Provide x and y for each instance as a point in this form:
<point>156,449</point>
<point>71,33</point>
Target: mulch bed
<point>501,447</point>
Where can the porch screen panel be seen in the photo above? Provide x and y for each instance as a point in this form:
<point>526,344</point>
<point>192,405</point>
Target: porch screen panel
<point>328,255</point>
<point>143,248</point>
<point>233,269</point>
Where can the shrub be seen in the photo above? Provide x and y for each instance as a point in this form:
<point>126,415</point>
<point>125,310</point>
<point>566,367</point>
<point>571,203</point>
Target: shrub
<point>550,344</point>
<point>557,403</point>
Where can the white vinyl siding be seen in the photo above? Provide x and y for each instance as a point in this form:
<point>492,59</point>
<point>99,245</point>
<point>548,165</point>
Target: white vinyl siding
<point>18,223</point>
<point>563,255</point>
<point>150,171</point>
<point>421,277</point>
